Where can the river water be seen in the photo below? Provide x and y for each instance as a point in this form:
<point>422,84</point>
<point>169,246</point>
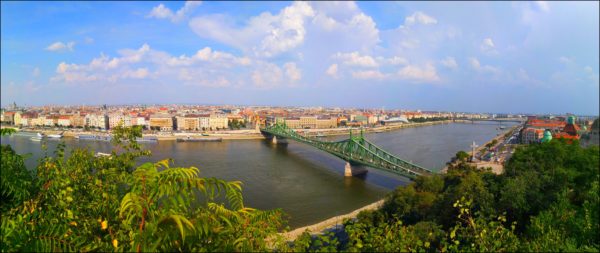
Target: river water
<point>308,184</point>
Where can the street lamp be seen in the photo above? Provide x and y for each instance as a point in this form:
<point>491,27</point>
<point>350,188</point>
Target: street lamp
<point>473,146</point>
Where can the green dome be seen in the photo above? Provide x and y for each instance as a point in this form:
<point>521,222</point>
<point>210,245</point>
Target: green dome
<point>571,120</point>
<point>547,136</point>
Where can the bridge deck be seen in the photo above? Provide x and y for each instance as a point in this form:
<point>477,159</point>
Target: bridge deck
<point>356,149</point>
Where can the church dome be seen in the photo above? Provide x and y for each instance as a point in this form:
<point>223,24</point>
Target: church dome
<point>547,136</point>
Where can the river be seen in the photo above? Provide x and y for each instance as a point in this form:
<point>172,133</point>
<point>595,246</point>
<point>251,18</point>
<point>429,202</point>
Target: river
<point>308,184</point>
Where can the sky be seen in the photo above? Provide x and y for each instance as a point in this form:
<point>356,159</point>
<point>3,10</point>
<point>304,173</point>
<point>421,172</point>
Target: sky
<point>512,57</point>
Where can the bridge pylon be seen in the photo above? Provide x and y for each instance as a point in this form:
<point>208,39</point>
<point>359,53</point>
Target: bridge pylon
<point>279,140</point>
<point>352,169</point>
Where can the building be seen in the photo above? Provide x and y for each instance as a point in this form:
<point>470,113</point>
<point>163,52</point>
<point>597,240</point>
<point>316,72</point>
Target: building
<point>570,131</point>
<point>217,122</point>
<point>161,121</point>
<point>99,121</point>
<point>188,122</point>
<point>204,121</point>
<point>326,122</point>
<point>36,121</point>
<point>64,120</point>
<point>116,119</point>
<point>138,121</point>
<point>309,122</point>
<point>78,120</point>
<point>554,125</point>
<point>9,117</point>
<point>17,119</point>
<point>51,120</point>
<point>531,135</point>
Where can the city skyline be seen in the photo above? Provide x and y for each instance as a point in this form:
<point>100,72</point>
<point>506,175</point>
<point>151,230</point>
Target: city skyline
<point>535,57</point>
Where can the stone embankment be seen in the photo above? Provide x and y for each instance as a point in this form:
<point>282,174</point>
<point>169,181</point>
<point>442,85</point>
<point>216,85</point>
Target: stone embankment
<point>496,168</point>
<point>247,134</point>
<point>329,223</point>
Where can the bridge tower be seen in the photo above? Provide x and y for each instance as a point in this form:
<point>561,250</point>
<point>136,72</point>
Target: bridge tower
<point>351,168</point>
<point>279,140</point>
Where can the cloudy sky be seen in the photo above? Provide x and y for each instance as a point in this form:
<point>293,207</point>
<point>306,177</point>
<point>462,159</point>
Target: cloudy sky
<point>537,57</point>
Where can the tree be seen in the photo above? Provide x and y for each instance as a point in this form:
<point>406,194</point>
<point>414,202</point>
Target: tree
<point>462,156</point>
<point>88,203</point>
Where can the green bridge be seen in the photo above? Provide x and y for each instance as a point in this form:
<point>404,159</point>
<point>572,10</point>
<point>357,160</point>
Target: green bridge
<point>356,151</point>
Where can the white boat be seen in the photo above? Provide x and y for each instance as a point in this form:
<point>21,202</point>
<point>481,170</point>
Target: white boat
<point>55,136</point>
<point>35,138</point>
<point>100,154</point>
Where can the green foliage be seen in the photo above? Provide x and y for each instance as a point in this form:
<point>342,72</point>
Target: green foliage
<point>88,203</point>
<point>547,200</point>
<point>7,131</point>
<point>16,183</point>
<point>462,156</point>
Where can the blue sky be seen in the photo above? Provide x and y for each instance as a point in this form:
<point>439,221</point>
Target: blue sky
<point>531,57</point>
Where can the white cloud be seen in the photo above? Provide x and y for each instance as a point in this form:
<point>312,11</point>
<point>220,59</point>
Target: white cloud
<point>162,12</point>
<point>206,67</point>
<point>419,18</point>
<point>208,55</point>
<point>524,78</point>
<point>395,60</point>
<point>332,70</point>
<point>590,74</point>
<point>355,59</point>
<point>139,73</point>
<point>88,40</point>
<point>60,46</point>
<point>268,75</point>
<point>449,62</point>
<point>269,35</point>
<point>487,46</point>
<point>266,35</point>
<point>487,43</point>
<point>292,71</point>
<point>485,68</point>
<point>35,72</point>
<point>565,60</point>
<point>369,74</point>
<point>543,5</point>
<point>420,74</point>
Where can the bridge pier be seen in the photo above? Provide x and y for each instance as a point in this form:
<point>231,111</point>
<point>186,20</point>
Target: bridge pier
<point>279,140</point>
<point>354,169</point>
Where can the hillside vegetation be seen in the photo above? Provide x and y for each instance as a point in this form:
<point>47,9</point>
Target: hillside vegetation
<point>547,200</point>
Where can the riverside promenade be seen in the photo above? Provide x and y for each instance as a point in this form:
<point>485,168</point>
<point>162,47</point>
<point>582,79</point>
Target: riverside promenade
<point>497,168</point>
<point>246,134</point>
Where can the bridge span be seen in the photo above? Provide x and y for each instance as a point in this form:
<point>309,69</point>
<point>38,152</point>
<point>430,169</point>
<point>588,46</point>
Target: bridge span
<point>356,151</point>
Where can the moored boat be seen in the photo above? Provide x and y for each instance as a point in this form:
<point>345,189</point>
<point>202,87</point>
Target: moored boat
<point>191,139</point>
<point>147,139</point>
<point>55,136</point>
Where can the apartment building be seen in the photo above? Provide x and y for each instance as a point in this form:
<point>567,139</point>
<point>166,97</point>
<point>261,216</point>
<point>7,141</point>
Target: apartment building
<point>116,118</point>
<point>204,121</point>
<point>326,122</point>
<point>188,122</point>
<point>64,120</point>
<point>161,121</point>
<point>218,121</point>
<point>96,120</point>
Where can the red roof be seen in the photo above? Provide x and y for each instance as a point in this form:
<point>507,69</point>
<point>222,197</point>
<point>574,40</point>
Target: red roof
<point>546,123</point>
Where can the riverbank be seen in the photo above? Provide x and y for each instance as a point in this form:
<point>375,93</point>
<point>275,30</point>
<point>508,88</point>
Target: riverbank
<point>242,134</point>
<point>497,168</point>
<point>330,223</point>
